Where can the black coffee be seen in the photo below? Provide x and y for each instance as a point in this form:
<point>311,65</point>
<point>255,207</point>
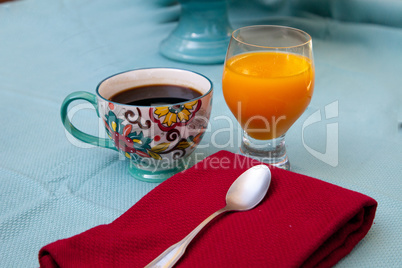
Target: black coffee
<point>152,95</point>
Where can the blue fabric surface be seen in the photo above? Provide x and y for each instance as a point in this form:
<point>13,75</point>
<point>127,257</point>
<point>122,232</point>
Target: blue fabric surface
<point>53,186</point>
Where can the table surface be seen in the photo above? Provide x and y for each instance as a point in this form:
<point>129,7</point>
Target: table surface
<point>53,186</point>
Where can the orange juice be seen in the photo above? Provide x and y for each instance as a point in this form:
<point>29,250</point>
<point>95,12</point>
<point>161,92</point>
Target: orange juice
<point>267,91</point>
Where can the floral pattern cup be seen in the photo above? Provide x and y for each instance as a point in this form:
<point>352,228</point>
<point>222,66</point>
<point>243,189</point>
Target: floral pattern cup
<point>155,139</point>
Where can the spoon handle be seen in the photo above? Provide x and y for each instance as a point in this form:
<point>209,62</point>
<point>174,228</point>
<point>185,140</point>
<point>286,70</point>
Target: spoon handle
<point>171,255</point>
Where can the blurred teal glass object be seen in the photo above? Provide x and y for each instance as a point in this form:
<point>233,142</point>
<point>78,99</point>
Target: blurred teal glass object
<point>202,35</point>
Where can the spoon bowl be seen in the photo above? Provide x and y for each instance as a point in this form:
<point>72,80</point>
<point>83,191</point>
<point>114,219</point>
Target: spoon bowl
<point>249,188</point>
<point>246,192</point>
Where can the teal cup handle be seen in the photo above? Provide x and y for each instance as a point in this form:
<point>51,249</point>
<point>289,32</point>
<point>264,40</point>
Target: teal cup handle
<point>82,136</point>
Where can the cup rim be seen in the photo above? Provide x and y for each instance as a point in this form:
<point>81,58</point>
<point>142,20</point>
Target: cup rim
<point>309,39</point>
<point>154,68</point>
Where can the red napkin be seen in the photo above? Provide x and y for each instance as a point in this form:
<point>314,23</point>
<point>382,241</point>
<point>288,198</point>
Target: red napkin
<point>301,222</point>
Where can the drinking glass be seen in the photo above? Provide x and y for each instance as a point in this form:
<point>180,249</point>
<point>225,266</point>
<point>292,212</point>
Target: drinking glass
<point>268,82</point>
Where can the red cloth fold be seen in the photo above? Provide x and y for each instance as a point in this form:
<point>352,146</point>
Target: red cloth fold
<point>301,222</point>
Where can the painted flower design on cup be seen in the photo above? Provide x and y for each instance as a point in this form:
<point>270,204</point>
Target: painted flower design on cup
<point>135,145</point>
<point>131,143</point>
<point>169,117</point>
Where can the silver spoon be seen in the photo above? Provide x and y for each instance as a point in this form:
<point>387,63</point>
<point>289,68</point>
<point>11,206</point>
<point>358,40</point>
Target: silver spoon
<point>245,193</point>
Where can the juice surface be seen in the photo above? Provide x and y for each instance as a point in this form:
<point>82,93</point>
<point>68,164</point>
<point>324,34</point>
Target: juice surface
<point>267,91</point>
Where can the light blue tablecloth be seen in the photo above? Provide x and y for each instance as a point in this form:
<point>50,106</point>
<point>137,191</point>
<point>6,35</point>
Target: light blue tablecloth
<point>53,187</point>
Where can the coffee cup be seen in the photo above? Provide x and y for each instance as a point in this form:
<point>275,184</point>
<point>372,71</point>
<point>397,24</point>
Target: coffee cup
<point>153,117</point>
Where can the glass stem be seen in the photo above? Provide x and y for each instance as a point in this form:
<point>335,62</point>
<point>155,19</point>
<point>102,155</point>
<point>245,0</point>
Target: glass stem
<point>268,151</point>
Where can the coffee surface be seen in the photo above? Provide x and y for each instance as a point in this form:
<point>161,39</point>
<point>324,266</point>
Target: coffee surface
<point>155,95</point>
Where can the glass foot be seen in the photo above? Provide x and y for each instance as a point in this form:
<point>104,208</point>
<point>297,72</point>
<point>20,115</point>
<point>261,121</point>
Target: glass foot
<point>194,51</point>
<point>272,152</point>
<point>202,35</point>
